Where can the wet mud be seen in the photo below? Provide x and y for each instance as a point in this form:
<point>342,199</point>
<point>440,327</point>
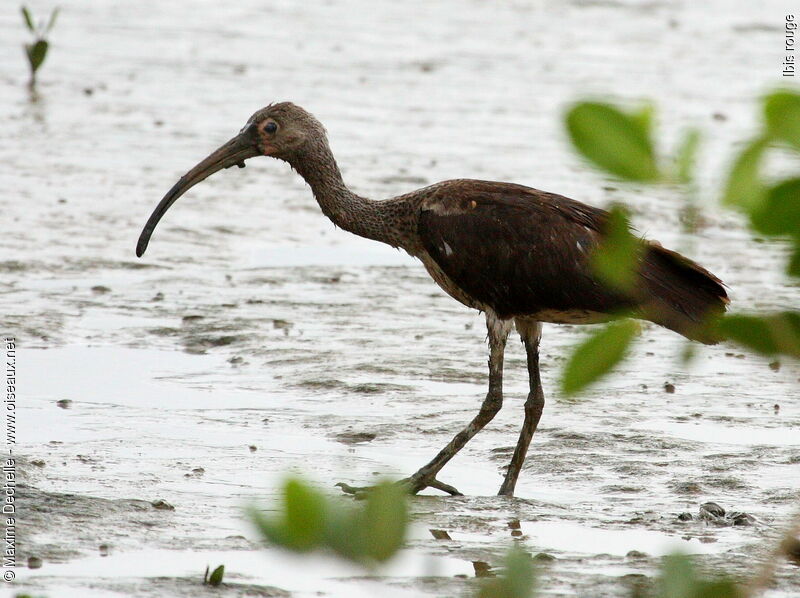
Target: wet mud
<point>157,397</point>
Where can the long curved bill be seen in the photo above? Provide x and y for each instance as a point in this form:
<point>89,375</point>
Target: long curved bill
<point>233,153</point>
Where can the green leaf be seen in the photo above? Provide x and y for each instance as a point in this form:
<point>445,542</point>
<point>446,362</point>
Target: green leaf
<point>616,258</point>
<point>53,16</point>
<point>685,158</point>
<point>310,520</point>
<point>721,588</point>
<point>36,54</point>
<point>744,189</point>
<point>305,515</point>
<point>271,531</point>
<point>385,520</point>
<point>519,574</point>
<point>28,20</point>
<point>782,111</point>
<point>302,525</point>
<point>773,334</point>
<point>644,118</point>
<point>597,355</point>
<point>216,577</point>
<point>613,140</point>
<point>344,534</point>
<point>793,269</point>
<point>677,579</point>
<point>517,580</point>
<point>779,212</point>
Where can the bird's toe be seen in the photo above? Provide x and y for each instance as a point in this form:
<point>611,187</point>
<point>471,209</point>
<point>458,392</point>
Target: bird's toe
<point>413,484</point>
<point>418,482</point>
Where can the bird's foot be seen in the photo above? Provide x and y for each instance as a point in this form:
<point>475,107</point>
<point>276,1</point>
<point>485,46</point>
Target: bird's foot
<point>413,484</point>
<point>419,481</point>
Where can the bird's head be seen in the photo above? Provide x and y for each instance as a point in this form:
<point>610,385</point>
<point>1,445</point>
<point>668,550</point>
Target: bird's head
<point>283,131</point>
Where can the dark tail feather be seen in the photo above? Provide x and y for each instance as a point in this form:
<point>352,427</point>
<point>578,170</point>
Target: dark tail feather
<point>680,294</point>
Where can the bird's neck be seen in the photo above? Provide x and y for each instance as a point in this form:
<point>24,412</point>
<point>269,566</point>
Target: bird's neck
<point>358,215</point>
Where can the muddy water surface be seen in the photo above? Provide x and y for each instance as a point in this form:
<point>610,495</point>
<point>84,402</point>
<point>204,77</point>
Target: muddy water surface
<point>255,339</point>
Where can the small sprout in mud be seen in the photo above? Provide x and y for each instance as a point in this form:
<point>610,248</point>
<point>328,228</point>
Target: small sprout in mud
<point>516,580</point>
<point>215,579</point>
<point>37,51</point>
<point>368,533</point>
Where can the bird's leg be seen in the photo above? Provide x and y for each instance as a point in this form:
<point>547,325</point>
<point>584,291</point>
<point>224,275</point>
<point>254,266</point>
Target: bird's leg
<point>426,476</point>
<point>531,333</point>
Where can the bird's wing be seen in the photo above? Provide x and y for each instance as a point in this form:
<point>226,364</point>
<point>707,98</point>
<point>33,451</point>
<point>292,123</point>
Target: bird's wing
<point>518,250</point>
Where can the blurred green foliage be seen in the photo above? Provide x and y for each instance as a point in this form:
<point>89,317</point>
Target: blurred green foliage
<point>772,334</point>
<point>686,156</point>
<point>368,532</point>
<point>782,116</point>
<point>617,257</point>
<point>371,532</point>
<point>744,188</point>
<point>516,580</point>
<point>679,579</point>
<point>37,51</point>
<point>598,354</point>
<point>613,140</point>
<point>621,144</point>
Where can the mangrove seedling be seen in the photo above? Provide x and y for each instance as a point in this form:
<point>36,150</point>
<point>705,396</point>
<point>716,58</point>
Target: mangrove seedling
<point>37,51</point>
<point>215,579</point>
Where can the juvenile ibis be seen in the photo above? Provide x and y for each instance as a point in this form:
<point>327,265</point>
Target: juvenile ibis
<point>519,255</point>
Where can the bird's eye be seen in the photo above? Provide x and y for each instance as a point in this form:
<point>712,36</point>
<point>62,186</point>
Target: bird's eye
<point>270,127</point>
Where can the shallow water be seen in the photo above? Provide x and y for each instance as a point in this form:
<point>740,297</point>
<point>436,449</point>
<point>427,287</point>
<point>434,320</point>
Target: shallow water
<point>252,322</point>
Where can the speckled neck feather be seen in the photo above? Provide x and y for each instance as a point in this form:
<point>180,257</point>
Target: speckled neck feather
<point>386,221</point>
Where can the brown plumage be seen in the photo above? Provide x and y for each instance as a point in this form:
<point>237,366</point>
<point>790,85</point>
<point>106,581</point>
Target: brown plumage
<point>526,253</point>
<point>520,255</point>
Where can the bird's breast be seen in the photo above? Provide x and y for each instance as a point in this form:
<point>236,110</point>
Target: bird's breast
<point>447,284</point>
